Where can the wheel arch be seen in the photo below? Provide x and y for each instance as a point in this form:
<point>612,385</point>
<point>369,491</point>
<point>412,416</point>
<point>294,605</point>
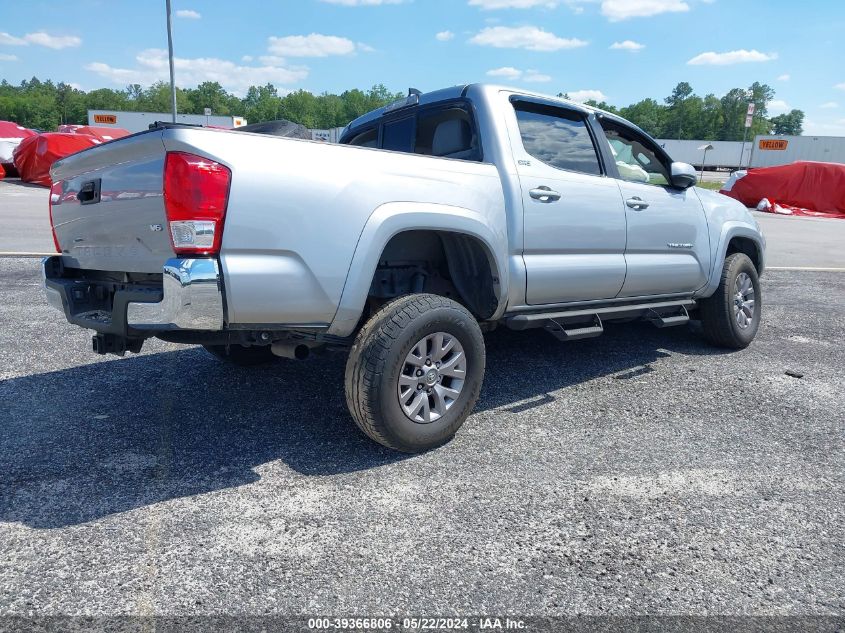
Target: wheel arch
<point>735,237</point>
<point>468,244</point>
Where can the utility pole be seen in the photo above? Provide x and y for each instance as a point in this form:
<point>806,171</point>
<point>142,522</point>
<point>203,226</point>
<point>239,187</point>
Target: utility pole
<point>170,54</point>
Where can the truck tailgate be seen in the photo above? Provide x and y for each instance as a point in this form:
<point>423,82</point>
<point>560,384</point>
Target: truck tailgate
<point>108,206</point>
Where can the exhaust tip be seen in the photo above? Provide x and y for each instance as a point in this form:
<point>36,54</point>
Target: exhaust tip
<point>295,351</point>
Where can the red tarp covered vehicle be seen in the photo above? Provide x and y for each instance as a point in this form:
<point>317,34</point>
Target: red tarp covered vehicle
<point>11,134</point>
<point>802,188</point>
<point>102,133</point>
<point>36,154</point>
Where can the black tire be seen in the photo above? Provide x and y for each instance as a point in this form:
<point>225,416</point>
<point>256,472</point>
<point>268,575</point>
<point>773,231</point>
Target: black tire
<point>378,356</point>
<point>241,355</point>
<point>718,318</point>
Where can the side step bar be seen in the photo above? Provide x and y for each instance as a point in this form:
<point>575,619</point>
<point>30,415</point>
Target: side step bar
<point>562,333</point>
<point>668,320</point>
<point>581,323</point>
<point>538,319</point>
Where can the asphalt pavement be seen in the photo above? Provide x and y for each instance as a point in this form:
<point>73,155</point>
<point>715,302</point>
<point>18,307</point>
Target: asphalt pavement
<point>640,472</point>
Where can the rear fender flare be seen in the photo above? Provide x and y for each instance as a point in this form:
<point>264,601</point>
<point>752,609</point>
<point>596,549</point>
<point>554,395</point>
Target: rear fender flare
<point>393,218</point>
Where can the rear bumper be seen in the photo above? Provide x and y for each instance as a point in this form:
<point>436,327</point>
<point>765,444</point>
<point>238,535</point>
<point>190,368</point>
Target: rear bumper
<point>190,297</point>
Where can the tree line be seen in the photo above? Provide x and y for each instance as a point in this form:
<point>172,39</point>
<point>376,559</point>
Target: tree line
<point>43,105</point>
<point>684,115</point>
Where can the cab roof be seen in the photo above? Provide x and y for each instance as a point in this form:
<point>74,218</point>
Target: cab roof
<point>463,90</point>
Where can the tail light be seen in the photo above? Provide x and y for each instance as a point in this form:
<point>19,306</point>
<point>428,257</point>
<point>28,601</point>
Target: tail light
<point>55,198</point>
<point>196,191</point>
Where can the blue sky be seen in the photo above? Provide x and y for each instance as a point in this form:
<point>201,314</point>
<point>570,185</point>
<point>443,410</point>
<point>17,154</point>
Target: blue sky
<point>620,50</point>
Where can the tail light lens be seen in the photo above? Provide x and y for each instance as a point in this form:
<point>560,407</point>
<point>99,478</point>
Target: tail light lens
<point>55,199</point>
<point>196,191</point>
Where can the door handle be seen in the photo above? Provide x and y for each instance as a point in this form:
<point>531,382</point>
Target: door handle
<point>544,194</point>
<point>637,203</point>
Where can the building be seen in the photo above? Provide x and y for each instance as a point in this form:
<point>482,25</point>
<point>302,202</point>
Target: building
<point>327,136</point>
<point>719,155</point>
<point>763,151</point>
<point>140,121</point>
<point>768,151</point>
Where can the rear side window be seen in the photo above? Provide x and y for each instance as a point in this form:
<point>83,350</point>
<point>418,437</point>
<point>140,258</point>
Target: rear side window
<point>399,135</point>
<point>558,137</point>
<point>445,129</point>
<point>448,133</point>
<point>366,139</point>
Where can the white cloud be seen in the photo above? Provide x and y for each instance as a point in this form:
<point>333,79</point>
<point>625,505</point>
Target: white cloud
<point>247,58</point>
<point>490,5</point>
<point>586,95</point>
<point>783,78</point>
<point>10,40</point>
<point>40,38</point>
<point>840,86</point>
<point>628,45</point>
<point>829,105</point>
<point>824,128</point>
<point>513,74</point>
<point>4,57</point>
<point>188,14</point>
<point>53,41</point>
<point>269,60</point>
<point>528,37</point>
<point>444,36</point>
<point>740,56</point>
<point>536,77</point>
<point>362,3</point>
<point>152,66</point>
<point>506,72</point>
<point>313,45</point>
<point>617,10</point>
<point>777,106</point>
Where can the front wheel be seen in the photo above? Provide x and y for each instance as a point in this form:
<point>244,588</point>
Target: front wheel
<point>731,316</point>
<point>414,372</point>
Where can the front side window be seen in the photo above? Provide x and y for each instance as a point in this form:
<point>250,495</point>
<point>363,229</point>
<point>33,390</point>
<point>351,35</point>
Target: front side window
<point>636,158</point>
<point>558,137</point>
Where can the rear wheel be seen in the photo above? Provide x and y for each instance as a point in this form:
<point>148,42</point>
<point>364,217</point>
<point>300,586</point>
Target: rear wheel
<point>241,355</point>
<point>414,372</point>
<point>731,316</point>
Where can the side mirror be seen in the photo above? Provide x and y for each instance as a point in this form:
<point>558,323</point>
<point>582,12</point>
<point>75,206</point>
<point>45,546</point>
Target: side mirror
<point>683,175</point>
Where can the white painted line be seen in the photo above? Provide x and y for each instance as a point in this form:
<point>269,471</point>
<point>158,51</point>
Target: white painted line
<point>807,268</point>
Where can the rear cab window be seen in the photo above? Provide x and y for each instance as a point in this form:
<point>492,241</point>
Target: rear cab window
<point>444,130</point>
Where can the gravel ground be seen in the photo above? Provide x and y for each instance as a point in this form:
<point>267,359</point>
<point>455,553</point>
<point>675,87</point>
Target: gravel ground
<point>639,473</point>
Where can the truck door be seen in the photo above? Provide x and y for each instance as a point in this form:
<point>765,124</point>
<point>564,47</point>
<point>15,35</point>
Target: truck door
<point>574,218</point>
<point>668,246</point>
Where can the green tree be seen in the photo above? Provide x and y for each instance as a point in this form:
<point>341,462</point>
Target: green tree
<point>261,103</point>
<point>209,94</point>
<point>300,107</point>
<point>601,105</point>
<point>791,123</point>
<point>649,115</point>
<point>676,102</point>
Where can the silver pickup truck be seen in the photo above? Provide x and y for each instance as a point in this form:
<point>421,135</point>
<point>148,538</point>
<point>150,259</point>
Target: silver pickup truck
<point>436,218</point>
